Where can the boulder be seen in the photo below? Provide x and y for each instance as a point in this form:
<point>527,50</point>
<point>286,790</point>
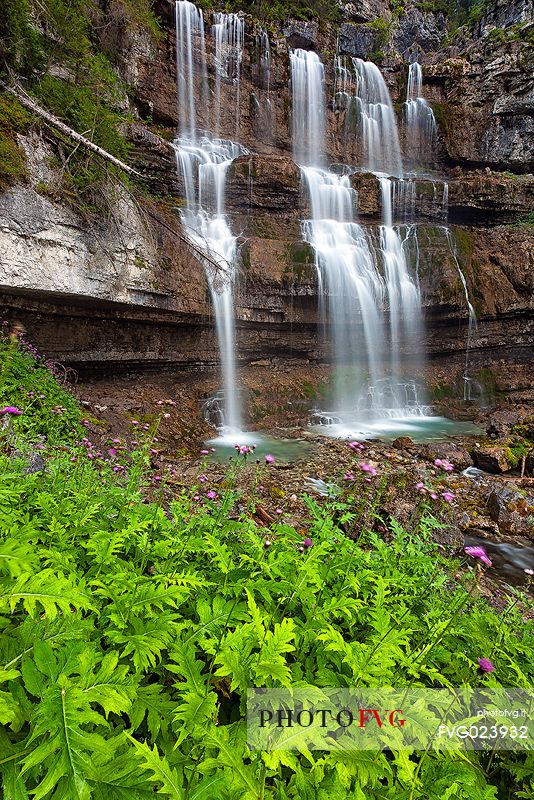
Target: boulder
<point>449,451</point>
<point>512,511</point>
<point>491,458</point>
<point>301,33</point>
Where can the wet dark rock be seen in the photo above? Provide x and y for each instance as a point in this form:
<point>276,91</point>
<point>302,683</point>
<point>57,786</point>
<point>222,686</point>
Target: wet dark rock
<point>503,420</point>
<point>301,33</point>
<point>490,197</point>
<point>491,458</point>
<point>403,443</point>
<point>512,510</point>
<point>357,40</point>
<point>419,32</point>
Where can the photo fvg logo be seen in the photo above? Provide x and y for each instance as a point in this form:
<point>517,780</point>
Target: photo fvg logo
<point>327,717</point>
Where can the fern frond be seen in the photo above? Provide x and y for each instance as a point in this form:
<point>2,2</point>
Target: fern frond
<point>52,592</point>
<point>170,780</point>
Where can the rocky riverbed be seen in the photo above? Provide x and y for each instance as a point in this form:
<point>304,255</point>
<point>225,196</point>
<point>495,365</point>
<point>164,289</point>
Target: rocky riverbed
<point>479,485</point>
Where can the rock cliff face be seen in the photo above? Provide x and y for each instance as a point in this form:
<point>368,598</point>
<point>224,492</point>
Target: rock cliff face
<point>125,289</point>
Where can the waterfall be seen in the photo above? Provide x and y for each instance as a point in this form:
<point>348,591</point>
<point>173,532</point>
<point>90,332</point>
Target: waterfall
<point>403,293</point>
<point>353,292</point>
<point>361,91</point>
<point>203,163</point>
<point>229,35</point>
<point>472,317</point>
<point>420,123</point>
<point>308,117</point>
<point>261,73</point>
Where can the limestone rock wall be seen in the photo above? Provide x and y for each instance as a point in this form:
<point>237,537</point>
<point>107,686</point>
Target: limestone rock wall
<point>129,290</point>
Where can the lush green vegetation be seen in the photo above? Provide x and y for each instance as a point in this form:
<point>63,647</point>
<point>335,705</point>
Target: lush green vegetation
<point>13,119</point>
<point>60,49</point>
<point>134,615</point>
<point>278,9</point>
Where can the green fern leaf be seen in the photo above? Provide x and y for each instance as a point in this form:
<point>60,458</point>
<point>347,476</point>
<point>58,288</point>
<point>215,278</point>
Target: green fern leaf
<point>151,702</point>
<point>54,593</point>
<point>171,782</point>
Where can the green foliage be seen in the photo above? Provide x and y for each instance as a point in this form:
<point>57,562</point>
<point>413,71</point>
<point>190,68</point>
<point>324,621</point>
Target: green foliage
<point>130,632</point>
<point>56,45</point>
<point>381,29</point>
<point>31,384</point>
<point>526,221</point>
<point>13,119</point>
<point>435,6</point>
<point>279,9</point>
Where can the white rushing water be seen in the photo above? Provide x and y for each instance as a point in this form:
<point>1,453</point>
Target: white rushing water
<point>229,35</point>
<point>203,162</point>
<point>369,299</point>
<point>420,123</point>
<point>261,67</point>
<point>472,317</point>
<point>369,114</point>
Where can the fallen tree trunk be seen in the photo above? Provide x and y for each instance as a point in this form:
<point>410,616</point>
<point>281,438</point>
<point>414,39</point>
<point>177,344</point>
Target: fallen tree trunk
<point>32,106</point>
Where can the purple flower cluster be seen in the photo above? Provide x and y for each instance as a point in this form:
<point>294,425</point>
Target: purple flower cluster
<point>13,410</point>
<point>444,464</point>
<point>447,496</point>
<point>244,449</point>
<point>358,447</point>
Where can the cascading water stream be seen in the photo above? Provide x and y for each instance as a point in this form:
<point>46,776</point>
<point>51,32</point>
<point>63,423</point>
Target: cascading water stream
<point>229,35</point>
<point>403,294</point>
<point>353,292</point>
<point>420,123</point>
<point>472,317</point>
<point>369,115</point>
<point>203,163</point>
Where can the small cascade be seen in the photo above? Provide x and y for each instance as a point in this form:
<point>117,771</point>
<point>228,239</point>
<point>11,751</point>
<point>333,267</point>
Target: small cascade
<point>445,202</point>
<point>404,300</point>
<point>308,117</point>
<point>412,199</point>
<point>261,74</point>
<point>203,164</point>
<point>354,293</point>
<point>229,35</point>
<point>472,320</point>
<point>420,123</point>
<point>361,91</point>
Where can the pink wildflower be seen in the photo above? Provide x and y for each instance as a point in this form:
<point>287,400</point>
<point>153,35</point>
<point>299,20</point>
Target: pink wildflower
<point>448,496</point>
<point>478,552</point>
<point>486,665</point>
<point>10,410</point>
<point>269,459</point>
<point>211,495</point>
